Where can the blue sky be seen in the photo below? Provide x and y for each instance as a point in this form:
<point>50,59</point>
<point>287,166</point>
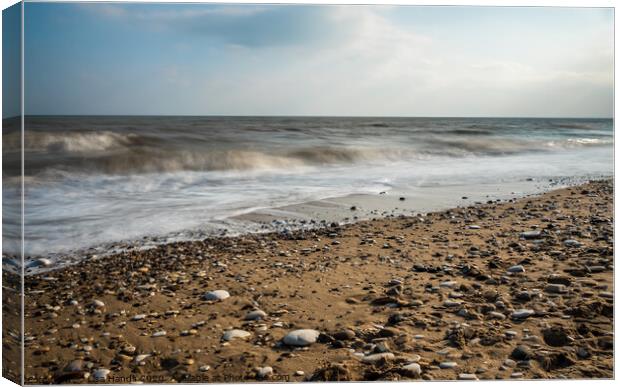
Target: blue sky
<point>317,60</point>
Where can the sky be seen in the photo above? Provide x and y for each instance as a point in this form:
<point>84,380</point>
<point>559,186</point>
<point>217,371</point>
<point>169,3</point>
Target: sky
<point>197,59</point>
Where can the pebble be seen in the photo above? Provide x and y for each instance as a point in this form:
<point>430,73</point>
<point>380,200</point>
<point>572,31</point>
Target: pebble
<point>377,357</point>
<point>98,304</point>
<point>496,316</point>
<point>521,314</point>
<point>216,295</point>
<point>204,368</point>
<point>256,315</point>
<point>235,334</point>
<point>556,288</point>
<point>159,334</point>
<point>572,243</point>
<point>516,269</point>
<point>75,366</point>
<point>141,358</point>
<point>531,234</point>
<point>412,369</point>
<point>100,374</point>
<point>301,337</point>
<point>468,377</point>
<point>299,373</point>
<point>448,365</point>
<point>264,372</point>
<point>138,317</point>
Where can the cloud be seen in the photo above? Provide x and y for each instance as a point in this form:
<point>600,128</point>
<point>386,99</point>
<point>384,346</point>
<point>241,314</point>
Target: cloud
<point>357,60</point>
<point>246,25</point>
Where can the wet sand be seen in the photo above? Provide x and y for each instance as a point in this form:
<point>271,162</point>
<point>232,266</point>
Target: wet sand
<point>515,289</point>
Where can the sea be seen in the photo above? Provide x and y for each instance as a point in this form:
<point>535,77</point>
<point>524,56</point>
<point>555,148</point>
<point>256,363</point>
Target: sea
<point>98,183</point>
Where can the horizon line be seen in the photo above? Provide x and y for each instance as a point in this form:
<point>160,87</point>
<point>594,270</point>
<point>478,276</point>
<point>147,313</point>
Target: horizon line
<point>294,116</point>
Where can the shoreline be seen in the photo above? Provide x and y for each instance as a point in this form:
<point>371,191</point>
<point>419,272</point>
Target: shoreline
<point>316,214</point>
<point>461,293</point>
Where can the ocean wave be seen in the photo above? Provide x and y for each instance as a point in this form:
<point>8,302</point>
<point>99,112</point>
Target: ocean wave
<point>120,153</point>
<point>71,142</point>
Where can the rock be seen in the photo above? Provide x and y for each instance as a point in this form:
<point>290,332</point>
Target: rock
<point>535,234</point>
<point>521,314</point>
<point>264,372</point>
<point>235,334</point>
<point>556,288</point>
<point>495,316</point>
<point>216,295</point>
<point>344,335</point>
<point>101,374</point>
<point>159,334</point>
<point>468,377</point>
<point>449,284</point>
<point>411,370</point>
<point>256,315</point>
<point>556,336</point>
<point>377,357</point>
<point>75,366</point>
<point>299,373</point>
<point>516,269</point>
<point>522,352</point>
<point>301,337</point>
<point>556,279</point>
<point>448,365</point>
<point>572,243</point>
<point>204,368</point>
<point>141,358</point>
<point>138,317</point>
<point>97,304</point>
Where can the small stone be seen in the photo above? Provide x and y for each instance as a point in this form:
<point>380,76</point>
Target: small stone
<point>264,372</point>
<point>531,234</point>
<point>216,295</point>
<point>97,304</point>
<point>448,365</point>
<point>204,368</point>
<point>522,352</point>
<point>256,315</point>
<point>556,337</point>
<point>75,366</point>
<point>556,288</point>
<point>235,334</point>
<point>377,357</point>
<point>159,334</point>
<point>516,269</point>
<point>521,314</point>
<point>572,243</point>
<point>495,316</point>
<point>138,317</point>
<point>468,377</point>
<point>299,373</point>
<point>412,370</point>
<point>141,358</point>
<point>301,337</point>
<point>100,374</point>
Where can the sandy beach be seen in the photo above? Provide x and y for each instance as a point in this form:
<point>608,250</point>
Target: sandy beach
<point>519,289</point>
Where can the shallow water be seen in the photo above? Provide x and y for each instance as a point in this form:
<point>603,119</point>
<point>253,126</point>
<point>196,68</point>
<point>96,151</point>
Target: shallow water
<point>95,180</point>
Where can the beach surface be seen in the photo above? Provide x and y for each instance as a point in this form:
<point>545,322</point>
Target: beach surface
<point>512,289</point>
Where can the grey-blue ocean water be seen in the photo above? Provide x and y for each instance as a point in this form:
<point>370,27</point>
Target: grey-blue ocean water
<point>94,180</point>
